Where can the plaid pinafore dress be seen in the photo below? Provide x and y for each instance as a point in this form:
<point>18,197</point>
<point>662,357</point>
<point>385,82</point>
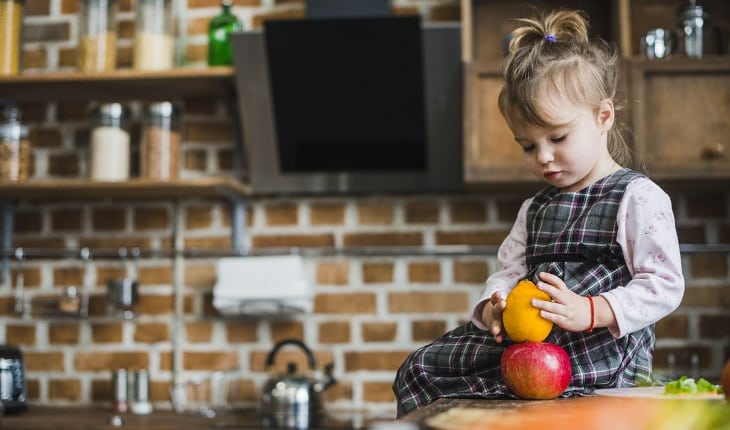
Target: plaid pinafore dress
<point>573,236</point>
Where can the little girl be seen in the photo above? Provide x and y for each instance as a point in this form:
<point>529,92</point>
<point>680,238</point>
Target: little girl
<point>599,239</point>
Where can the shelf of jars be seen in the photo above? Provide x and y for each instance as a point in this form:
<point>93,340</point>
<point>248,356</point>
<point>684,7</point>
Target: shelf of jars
<point>118,85</point>
<point>65,189</point>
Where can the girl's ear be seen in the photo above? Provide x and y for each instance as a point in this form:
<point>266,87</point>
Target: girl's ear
<point>606,115</point>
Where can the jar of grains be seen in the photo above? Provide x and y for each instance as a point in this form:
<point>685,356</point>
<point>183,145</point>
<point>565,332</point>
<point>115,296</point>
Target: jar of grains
<point>14,147</point>
<point>110,143</point>
<point>154,44</point>
<point>160,142</point>
<point>97,50</point>
<point>11,20</point>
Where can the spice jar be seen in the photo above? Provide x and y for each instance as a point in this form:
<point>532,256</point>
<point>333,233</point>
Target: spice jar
<point>97,50</point>
<point>14,147</point>
<point>154,44</point>
<point>695,29</point>
<point>11,20</point>
<point>110,143</point>
<point>160,142</point>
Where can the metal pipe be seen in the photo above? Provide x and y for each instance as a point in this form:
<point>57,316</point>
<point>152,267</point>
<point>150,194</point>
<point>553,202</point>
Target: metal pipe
<point>442,250</point>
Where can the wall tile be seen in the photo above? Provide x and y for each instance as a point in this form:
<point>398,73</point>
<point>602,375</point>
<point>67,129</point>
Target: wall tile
<point>424,272</point>
<point>382,239</point>
<point>378,213</point>
<point>16,334</point>
<point>64,389</point>
<point>281,330</point>
<point>63,333</point>
<point>327,213</point>
<point>428,302</point>
<point>334,273</point>
<point>293,240</point>
<point>282,214</point>
<point>152,333</point>
<point>104,360</point>
<point>106,333</point>
<point>334,332</point>
<point>422,212</point>
<point>379,331</point>
<point>356,303</point>
<point>470,272</point>
<point>42,361</point>
<point>377,273</point>
<point>212,360</point>
<point>467,211</point>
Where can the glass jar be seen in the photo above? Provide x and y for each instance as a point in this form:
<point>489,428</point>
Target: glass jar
<point>11,26</point>
<point>220,52</point>
<point>110,143</point>
<point>154,44</point>
<point>14,147</point>
<point>161,140</point>
<point>97,49</point>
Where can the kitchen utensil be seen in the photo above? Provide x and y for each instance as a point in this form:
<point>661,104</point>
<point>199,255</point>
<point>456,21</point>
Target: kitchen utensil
<point>122,296</point>
<point>658,43</point>
<point>120,390</point>
<point>293,400</point>
<point>694,27</point>
<point>12,379</point>
<point>207,395</point>
<point>140,403</point>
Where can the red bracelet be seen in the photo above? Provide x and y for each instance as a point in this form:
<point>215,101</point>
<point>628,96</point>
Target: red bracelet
<point>593,315</point>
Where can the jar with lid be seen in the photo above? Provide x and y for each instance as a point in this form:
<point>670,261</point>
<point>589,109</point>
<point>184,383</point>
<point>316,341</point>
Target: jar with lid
<point>160,146</point>
<point>695,29</point>
<point>97,49</point>
<point>109,149</point>
<point>14,147</point>
<point>11,36</point>
<point>154,43</point>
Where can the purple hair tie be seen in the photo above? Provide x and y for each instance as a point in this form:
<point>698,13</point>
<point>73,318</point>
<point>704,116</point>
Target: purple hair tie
<point>551,38</point>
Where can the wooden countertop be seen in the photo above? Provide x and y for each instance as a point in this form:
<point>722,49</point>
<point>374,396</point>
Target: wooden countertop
<point>98,418</point>
<point>585,413</point>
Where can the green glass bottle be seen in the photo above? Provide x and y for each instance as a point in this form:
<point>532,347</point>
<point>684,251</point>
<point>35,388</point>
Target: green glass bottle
<point>220,52</point>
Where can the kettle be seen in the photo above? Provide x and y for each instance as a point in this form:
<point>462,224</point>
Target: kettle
<point>12,380</point>
<point>293,400</point>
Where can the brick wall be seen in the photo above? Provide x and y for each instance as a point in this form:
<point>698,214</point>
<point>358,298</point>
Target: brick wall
<point>370,311</point>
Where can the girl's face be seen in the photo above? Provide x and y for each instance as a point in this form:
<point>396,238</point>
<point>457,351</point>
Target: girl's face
<point>573,155</point>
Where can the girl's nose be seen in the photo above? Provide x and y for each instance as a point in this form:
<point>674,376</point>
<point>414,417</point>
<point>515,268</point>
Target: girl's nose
<point>544,155</point>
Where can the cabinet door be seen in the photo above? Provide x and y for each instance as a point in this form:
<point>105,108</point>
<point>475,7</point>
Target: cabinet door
<point>491,153</point>
<point>680,117</point>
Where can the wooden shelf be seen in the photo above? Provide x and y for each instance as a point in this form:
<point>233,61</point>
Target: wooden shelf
<point>679,64</point>
<point>118,85</point>
<point>133,189</point>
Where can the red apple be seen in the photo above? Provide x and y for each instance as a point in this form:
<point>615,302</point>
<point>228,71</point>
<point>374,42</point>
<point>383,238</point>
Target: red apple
<point>536,370</point>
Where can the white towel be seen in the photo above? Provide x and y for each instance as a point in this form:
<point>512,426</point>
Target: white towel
<point>266,285</point>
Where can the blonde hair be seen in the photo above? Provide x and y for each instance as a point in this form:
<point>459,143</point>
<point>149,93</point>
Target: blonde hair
<point>554,55</point>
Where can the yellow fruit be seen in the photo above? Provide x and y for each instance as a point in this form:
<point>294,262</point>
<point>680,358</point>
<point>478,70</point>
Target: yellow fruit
<point>520,319</point>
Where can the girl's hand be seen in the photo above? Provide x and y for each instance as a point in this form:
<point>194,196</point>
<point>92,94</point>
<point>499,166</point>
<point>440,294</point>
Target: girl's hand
<point>492,315</point>
<point>567,310</point>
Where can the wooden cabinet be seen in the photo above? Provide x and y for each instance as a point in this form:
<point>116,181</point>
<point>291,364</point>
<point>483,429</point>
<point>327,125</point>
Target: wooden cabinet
<point>681,117</point>
<point>692,94</point>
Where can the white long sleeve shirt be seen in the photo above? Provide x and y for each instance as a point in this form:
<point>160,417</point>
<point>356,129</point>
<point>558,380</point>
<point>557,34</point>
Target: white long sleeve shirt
<point>648,238</point>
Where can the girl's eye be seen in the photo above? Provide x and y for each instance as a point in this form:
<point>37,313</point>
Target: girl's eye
<point>558,139</point>
<point>528,148</point>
